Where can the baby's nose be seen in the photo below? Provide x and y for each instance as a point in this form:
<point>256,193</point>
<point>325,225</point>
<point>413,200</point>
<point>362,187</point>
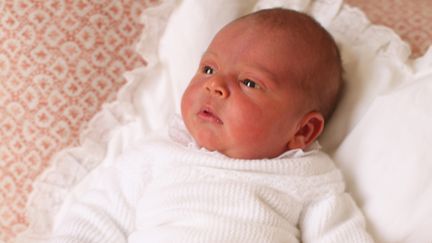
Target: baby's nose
<point>217,87</point>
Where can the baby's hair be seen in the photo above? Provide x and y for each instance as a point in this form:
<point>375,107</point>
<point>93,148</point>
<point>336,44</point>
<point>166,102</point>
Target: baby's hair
<point>322,78</point>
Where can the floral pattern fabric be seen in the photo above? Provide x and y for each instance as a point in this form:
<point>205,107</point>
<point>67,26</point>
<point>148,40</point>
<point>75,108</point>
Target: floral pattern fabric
<point>60,61</point>
<point>410,19</point>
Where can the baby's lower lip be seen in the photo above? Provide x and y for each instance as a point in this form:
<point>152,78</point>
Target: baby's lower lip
<point>207,115</point>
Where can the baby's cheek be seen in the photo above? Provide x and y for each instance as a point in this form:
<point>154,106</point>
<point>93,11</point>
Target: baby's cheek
<point>248,131</point>
<point>187,99</point>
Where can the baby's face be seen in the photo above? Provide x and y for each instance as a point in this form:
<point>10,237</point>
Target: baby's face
<point>242,101</point>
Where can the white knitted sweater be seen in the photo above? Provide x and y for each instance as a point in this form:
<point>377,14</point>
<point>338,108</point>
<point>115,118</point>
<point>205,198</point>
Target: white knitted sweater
<point>171,191</point>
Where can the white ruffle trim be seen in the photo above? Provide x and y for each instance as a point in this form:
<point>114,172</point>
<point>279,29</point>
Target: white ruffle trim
<point>120,123</point>
<point>110,130</point>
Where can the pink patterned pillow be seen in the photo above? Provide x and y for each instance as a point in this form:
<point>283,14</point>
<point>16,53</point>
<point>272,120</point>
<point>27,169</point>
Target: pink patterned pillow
<point>410,19</point>
<point>59,62</point>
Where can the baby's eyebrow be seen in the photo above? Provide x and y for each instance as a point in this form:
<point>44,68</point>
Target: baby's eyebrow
<point>267,74</point>
<point>208,53</point>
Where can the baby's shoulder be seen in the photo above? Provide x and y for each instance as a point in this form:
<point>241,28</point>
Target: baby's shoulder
<point>324,178</point>
<point>313,164</point>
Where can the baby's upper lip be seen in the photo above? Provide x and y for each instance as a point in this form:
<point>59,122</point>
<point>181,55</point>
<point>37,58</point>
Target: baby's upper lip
<point>206,113</point>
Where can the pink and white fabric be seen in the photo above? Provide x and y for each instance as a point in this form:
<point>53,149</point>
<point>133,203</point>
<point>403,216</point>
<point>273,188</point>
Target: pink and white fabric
<point>410,19</point>
<point>60,61</point>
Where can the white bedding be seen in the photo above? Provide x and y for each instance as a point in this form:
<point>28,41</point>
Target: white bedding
<point>379,135</point>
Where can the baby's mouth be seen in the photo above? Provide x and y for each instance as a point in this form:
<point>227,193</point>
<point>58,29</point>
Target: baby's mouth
<point>208,115</point>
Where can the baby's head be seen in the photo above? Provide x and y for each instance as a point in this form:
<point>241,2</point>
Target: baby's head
<point>265,85</point>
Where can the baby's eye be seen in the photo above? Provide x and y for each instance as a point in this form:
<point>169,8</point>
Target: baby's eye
<point>249,83</point>
<point>208,70</point>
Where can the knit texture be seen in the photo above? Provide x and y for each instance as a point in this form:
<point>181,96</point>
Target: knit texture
<point>166,191</point>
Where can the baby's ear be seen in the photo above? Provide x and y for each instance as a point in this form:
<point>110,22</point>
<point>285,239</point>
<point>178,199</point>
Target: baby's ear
<point>310,127</point>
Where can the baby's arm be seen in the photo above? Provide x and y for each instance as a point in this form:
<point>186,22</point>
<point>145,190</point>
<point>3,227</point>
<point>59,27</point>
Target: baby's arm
<point>334,219</point>
<point>106,212</point>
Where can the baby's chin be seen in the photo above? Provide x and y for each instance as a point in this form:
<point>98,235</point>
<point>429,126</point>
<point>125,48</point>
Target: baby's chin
<point>212,146</point>
<point>209,146</point>
<point>211,143</point>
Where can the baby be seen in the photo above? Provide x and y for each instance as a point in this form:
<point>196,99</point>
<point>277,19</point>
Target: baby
<point>242,165</point>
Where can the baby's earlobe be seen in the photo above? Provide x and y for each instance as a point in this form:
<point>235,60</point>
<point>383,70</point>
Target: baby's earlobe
<point>297,142</point>
<point>310,128</point>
